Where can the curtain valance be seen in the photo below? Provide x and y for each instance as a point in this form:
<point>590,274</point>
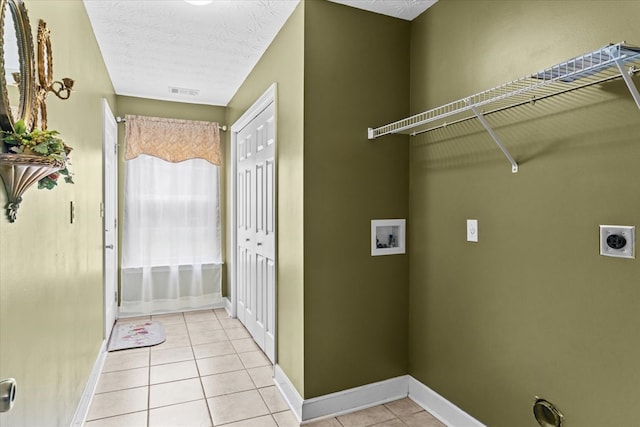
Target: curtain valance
<point>172,140</point>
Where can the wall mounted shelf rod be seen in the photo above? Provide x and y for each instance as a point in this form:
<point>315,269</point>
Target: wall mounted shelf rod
<point>595,67</point>
<point>519,104</point>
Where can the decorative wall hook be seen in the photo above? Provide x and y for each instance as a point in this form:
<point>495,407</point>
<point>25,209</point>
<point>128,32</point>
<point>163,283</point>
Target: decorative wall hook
<point>62,89</point>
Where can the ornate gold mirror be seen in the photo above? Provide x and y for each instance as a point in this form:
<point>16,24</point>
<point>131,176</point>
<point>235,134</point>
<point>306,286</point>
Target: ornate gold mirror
<point>45,56</point>
<point>17,80</point>
<point>26,159</point>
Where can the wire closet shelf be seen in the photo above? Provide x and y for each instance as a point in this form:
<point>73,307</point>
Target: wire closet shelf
<point>608,63</point>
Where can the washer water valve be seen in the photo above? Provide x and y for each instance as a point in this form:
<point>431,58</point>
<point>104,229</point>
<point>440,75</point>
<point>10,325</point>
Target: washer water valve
<point>618,241</point>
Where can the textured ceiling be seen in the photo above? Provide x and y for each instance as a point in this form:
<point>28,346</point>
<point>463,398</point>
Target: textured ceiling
<point>403,9</point>
<point>174,51</point>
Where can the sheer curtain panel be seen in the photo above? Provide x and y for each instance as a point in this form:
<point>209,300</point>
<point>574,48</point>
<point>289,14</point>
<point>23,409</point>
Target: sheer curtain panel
<point>171,254</point>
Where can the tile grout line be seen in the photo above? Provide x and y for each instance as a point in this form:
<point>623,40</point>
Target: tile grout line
<point>195,361</point>
<point>397,418</point>
<point>245,369</point>
<point>236,352</point>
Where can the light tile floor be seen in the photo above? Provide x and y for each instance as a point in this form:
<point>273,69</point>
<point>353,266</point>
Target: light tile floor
<point>210,372</point>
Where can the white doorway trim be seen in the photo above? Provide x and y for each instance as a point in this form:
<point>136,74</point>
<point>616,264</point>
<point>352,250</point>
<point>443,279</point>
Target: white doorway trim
<point>268,97</point>
<point>109,217</point>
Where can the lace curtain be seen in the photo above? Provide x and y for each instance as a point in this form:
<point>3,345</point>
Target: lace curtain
<point>171,254</point>
<point>171,139</point>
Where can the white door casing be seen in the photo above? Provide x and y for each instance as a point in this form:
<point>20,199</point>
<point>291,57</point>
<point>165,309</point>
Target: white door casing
<point>110,209</point>
<point>254,139</point>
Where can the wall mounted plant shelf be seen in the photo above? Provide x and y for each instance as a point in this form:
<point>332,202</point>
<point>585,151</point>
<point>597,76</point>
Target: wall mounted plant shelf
<point>608,63</point>
<point>21,171</point>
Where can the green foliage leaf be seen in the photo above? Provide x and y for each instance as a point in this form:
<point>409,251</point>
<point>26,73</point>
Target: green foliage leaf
<point>41,148</point>
<point>20,127</point>
<point>12,139</point>
<point>47,183</point>
<point>44,143</point>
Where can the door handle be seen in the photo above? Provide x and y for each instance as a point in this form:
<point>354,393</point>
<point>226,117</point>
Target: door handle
<point>7,394</point>
<point>259,243</point>
<point>247,240</point>
<point>109,247</point>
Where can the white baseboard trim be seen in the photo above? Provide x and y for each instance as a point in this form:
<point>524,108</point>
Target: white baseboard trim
<point>288,392</point>
<point>89,389</point>
<point>227,306</point>
<point>355,399</point>
<point>127,315</point>
<point>440,407</point>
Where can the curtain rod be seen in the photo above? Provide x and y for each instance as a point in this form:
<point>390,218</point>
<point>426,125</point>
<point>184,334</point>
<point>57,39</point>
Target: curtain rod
<point>122,120</point>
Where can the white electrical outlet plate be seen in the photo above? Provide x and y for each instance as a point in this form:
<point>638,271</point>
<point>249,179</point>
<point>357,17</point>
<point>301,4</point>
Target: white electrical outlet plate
<point>618,241</point>
<point>472,230</point>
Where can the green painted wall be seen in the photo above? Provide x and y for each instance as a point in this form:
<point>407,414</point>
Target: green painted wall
<point>356,76</point>
<point>531,309</point>
<point>283,64</point>
<point>331,182</point>
<point>51,315</point>
<point>173,110</point>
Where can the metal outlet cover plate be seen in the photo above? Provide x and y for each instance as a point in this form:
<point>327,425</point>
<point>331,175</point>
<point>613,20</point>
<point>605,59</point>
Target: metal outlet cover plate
<point>618,241</point>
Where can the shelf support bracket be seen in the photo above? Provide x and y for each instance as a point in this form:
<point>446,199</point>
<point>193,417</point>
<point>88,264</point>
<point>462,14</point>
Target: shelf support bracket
<point>370,133</point>
<point>487,126</point>
<point>627,79</point>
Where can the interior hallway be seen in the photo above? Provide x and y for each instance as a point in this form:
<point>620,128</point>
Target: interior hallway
<point>209,372</point>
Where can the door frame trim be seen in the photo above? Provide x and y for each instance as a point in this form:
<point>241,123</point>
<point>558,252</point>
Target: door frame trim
<point>268,97</point>
<point>106,108</point>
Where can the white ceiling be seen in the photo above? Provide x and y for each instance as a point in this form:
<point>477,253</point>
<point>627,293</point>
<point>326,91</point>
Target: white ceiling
<point>203,53</point>
<point>403,9</point>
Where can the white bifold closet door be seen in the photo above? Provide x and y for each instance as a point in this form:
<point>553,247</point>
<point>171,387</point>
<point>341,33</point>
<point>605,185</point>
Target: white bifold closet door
<point>255,219</point>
